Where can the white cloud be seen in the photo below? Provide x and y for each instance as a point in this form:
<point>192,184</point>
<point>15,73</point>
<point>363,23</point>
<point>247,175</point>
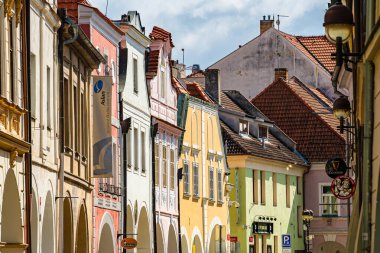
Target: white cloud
<point>212,28</point>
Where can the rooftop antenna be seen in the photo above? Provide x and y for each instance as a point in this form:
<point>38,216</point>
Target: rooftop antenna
<point>106,7</point>
<point>183,56</point>
<point>278,20</point>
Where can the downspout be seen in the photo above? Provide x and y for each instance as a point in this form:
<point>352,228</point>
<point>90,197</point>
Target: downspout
<point>124,171</point>
<point>367,155</point>
<point>27,123</point>
<point>154,133</point>
<point>204,196</point>
<point>179,213</point>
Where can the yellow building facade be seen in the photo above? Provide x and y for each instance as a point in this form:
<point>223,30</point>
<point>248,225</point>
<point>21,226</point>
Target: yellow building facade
<point>202,195</point>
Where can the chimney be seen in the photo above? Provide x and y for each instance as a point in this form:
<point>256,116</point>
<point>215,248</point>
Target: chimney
<point>212,84</point>
<point>266,24</point>
<point>281,73</point>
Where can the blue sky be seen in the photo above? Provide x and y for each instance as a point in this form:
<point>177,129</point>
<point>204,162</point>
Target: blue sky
<point>210,29</point>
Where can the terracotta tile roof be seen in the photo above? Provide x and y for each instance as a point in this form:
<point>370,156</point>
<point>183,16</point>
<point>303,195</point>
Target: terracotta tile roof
<point>317,48</point>
<point>154,57</point>
<point>229,104</point>
<point>320,48</point>
<point>160,34</point>
<point>178,86</point>
<point>274,149</point>
<point>72,11</point>
<point>199,73</point>
<point>305,115</point>
<point>197,91</point>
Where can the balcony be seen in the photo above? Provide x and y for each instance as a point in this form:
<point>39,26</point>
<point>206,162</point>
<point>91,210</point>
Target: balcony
<point>110,189</point>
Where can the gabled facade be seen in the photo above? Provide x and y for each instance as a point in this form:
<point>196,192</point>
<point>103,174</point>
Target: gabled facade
<point>44,24</point>
<point>136,149</point>
<point>14,136</point>
<point>248,69</point>
<point>203,192</point>
<point>163,100</point>
<point>306,117</point>
<point>266,173</point>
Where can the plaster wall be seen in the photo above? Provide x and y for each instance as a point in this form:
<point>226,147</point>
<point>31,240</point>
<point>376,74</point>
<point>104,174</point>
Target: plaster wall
<point>250,68</point>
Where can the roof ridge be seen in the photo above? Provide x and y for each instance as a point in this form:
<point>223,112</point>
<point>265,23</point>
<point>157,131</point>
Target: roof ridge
<point>225,125</point>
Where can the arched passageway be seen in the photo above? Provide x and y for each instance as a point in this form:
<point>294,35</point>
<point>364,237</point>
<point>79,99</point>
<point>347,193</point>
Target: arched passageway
<point>184,245</point>
<point>34,223</point>
<point>143,232</point>
<point>11,222</point>
<point>172,240</point>
<point>217,244</point>
<point>330,247</point>
<point>67,226</point>
<point>129,221</point>
<point>82,232</point>
<point>160,239</point>
<point>47,244</point>
<point>197,245</point>
<point>106,242</point>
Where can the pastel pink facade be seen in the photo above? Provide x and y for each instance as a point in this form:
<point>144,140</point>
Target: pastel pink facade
<point>163,99</point>
<point>107,191</point>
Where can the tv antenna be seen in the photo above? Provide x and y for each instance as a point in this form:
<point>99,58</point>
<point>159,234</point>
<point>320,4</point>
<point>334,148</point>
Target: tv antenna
<point>278,20</point>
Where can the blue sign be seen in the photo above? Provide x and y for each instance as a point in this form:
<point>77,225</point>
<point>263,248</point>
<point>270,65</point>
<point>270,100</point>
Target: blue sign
<point>98,86</point>
<point>286,241</point>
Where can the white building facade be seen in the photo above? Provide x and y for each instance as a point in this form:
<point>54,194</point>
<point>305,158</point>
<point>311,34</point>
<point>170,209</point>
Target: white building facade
<point>44,24</point>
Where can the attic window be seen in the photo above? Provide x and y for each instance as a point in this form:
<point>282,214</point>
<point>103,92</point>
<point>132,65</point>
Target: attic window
<point>243,127</point>
<point>263,132</point>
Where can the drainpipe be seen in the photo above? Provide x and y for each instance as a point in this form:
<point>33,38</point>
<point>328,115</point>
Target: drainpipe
<point>27,123</point>
<point>204,173</point>
<point>124,171</point>
<point>154,133</point>
<point>367,155</point>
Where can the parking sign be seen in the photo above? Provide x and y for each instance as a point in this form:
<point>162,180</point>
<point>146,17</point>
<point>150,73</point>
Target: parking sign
<point>286,241</point>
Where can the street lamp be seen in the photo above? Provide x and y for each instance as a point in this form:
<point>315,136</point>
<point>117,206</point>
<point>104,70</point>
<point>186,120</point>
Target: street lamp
<point>307,216</point>
<point>341,110</point>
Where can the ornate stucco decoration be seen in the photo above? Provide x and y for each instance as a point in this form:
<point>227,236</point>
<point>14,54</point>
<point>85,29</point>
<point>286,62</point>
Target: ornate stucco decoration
<point>8,6</point>
<point>12,158</point>
<point>18,11</point>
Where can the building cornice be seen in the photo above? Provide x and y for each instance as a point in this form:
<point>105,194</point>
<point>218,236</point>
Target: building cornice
<point>47,12</point>
<point>137,36</point>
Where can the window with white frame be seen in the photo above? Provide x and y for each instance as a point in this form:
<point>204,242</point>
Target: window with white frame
<point>211,183</point>
<point>143,153</point>
<point>136,148</point>
<point>243,127</point>
<point>328,203</point>
<point>172,169</point>
<point>135,75</point>
<point>186,179</point>
<point>263,132</point>
<point>164,167</point>
<point>220,186</point>
<point>156,163</point>
<point>162,84</point>
<point>195,179</point>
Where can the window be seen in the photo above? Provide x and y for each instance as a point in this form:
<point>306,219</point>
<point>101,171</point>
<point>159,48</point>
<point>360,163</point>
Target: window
<point>211,183</point>
<point>220,186</point>
<point>255,187</point>
<point>299,221</point>
<point>48,97</point>
<point>67,113</point>
<point>100,65</point>
<point>11,58</point>
<point>287,191</point>
<point>263,132</point>
<point>162,84</point>
<point>299,185</point>
<point>143,153</point>
<point>136,148</point>
<point>106,67</point>
<point>84,124</point>
<point>135,76</point>
<point>129,149</point>
<point>274,182</point>
<point>156,163</point>
<point>243,127</point>
<point>186,188</point>
<point>75,118</point>
<point>262,190</point>
<point>164,167</point>
<point>195,179</point>
<point>172,169</point>
<point>33,88</point>
<point>329,202</point>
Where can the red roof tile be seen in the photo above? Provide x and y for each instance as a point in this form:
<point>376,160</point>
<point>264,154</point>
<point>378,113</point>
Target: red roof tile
<point>154,57</point>
<point>197,91</point>
<point>305,115</point>
<point>178,86</point>
<point>199,73</point>
<point>160,34</point>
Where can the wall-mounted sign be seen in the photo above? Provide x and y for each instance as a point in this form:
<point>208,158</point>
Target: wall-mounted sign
<point>336,167</point>
<point>128,243</point>
<point>262,228</point>
<point>233,238</point>
<point>343,187</point>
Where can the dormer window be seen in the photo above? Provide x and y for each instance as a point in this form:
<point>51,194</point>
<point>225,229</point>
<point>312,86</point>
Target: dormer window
<point>263,132</point>
<point>243,127</point>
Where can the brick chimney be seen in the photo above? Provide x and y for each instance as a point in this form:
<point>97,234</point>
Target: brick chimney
<point>212,83</point>
<point>281,73</point>
<point>265,24</point>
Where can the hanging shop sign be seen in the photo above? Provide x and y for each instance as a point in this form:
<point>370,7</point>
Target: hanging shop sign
<point>262,228</point>
<point>128,243</point>
<point>336,167</point>
<point>343,187</point>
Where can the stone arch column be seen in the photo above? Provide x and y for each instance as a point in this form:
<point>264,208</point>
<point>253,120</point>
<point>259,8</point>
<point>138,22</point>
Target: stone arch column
<point>160,239</point>
<point>143,232</point>
<point>48,235</point>
<point>34,223</point>
<point>172,240</point>
<point>107,238</point>
<point>81,245</point>
<point>67,226</point>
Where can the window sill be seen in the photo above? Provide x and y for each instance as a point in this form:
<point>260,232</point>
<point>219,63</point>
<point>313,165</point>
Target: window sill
<point>186,195</point>
<point>220,202</point>
<point>196,197</point>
